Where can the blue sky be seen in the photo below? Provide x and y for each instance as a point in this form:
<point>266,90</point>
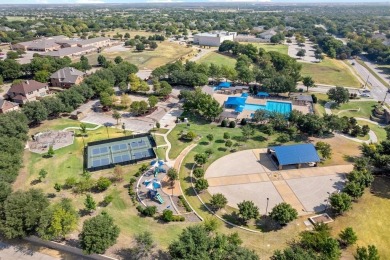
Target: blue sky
<point>162,1</point>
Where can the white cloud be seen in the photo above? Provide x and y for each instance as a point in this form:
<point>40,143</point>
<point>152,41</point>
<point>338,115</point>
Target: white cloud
<point>42,1</point>
<point>163,1</point>
<point>89,2</point>
<point>251,1</point>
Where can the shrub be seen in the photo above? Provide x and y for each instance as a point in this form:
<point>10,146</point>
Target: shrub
<point>315,99</point>
<point>107,199</point>
<point>189,136</point>
<point>70,182</point>
<point>283,138</point>
<point>198,172</point>
<point>224,123</point>
<point>229,143</point>
<point>232,124</point>
<point>149,211</point>
<point>158,125</point>
<point>243,121</point>
<point>209,152</point>
<point>226,135</point>
<point>167,215</point>
<point>184,203</point>
<point>103,183</point>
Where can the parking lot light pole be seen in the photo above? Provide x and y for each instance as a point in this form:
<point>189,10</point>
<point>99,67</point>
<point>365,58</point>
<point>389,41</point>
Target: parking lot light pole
<point>266,209</point>
<point>107,131</point>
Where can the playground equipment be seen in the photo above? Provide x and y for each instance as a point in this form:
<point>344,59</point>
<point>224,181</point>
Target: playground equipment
<point>158,167</point>
<point>152,186</point>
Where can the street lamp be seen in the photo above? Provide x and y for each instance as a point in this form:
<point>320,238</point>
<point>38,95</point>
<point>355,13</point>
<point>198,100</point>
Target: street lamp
<point>266,209</point>
<point>387,92</point>
<point>124,128</point>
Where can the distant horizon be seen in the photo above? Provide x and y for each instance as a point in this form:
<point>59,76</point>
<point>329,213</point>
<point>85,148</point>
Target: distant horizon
<point>113,2</point>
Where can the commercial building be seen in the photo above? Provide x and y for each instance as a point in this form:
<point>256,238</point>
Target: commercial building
<point>25,91</point>
<point>69,52</point>
<point>66,77</point>
<point>41,44</point>
<point>214,38</point>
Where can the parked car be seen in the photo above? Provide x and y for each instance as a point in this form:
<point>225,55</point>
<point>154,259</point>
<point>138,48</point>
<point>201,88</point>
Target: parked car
<point>365,95</point>
<point>366,91</point>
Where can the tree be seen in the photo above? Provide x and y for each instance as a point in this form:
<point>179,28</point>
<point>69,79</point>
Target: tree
<point>103,183</point>
<point>42,174</point>
<point>200,158</point>
<point>84,63</point>
<point>248,210</point>
<point>118,173</point>
<point>105,99</point>
<point>247,131</point>
<point>210,137</point>
<point>339,95</point>
<point>324,149</point>
<point>294,252</point>
<point>145,244</point>
<point>53,106</point>
<point>308,82</point>
<point>98,234</point>
<point>340,202</point>
<point>348,236</point>
<point>218,201</point>
<point>198,172</point>
<point>228,143</point>
<point>354,189</point>
<point>83,128</point>
<point>118,59</point>
<point>152,100</point>
<point>35,112</point>
<point>167,215</point>
<point>172,175</point>
<point>140,47</point>
<point>153,45</point>
<point>58,220</point>
<point>116,115</point>
<point>301,53</point>
<point>196,242</point>
<point>21,213</point>
<point>367,253</point>
<point>89,203</point>
<point>12,55</point>
<point>50,151</point>
<point>102,61</point>
<point>42,76</point>
<point>57,187</point>
<point>5,191</point>
<point>226,136</point>
<point>283,213</point>
<point>201,184</point>
<point>260,115</point>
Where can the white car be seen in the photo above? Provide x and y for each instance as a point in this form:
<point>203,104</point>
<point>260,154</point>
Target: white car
<point>365,95</point>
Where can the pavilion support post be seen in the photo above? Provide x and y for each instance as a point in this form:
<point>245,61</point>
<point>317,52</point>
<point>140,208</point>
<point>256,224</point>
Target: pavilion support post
<point>280,167</point>
<point>299,165</point>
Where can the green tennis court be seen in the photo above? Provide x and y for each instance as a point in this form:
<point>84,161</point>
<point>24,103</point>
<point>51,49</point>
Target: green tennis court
<point>122,150</point>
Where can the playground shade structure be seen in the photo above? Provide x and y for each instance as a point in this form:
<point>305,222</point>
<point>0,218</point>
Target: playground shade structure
<point>294,154</point>
<point>123,150</point>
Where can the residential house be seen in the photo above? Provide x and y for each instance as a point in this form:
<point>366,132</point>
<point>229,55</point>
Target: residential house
<point>66,77</point>
<point>25,91</point>
<point>7,106</point>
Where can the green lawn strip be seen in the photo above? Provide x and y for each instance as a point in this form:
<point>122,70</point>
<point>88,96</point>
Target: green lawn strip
<point>364,106</point>
<point>161,152</point>
<point>282,48</point>
<point>378,130</point>
<point>330,72</point>
<point>319,107</point>
<point>368,218</point>
<point>218,59</point>
<point>372,72</point>
<point>159,140</point>
<point>159,130</point>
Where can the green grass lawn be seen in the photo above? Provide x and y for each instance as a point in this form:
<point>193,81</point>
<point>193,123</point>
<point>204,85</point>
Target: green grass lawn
<point>161,152</point>
<point>378,130</point>
<point>330,72</point>
<point>270,47</point>
<point>365,109</point>
<point>369,218</point>
<point>159,140</point>
<point>218,59</point>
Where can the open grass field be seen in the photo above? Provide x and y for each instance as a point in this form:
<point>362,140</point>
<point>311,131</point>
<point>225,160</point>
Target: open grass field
<point>218,59</point>
<point>18,18</point>
<point>364,109</point>
<point>270,47</point>
<point>68,161</point>
<point>369,218</point>
<point>166,52</point>
<point>330,72</point>
<point>378,130</point>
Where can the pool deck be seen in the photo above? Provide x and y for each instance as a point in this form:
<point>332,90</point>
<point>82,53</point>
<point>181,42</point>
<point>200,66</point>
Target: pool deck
<point>221,98</point>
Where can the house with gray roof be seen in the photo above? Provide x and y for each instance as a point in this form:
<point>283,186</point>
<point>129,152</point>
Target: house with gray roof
<point>66,77</point>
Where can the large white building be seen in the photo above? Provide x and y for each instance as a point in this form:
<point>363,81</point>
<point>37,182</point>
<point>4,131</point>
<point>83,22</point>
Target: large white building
<point>213,38</point>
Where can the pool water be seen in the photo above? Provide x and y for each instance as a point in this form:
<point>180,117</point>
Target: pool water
<point>272,106</point>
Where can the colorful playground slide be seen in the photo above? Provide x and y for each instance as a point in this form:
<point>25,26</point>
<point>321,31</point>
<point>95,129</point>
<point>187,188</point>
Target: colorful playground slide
<point>159,198</point>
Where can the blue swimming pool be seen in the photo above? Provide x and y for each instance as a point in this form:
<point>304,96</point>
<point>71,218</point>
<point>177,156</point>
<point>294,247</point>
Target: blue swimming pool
<point>273,106</point>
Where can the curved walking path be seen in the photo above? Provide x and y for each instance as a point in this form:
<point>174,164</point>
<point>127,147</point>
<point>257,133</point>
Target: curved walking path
<point>79,128</point>
<point>372,136</point>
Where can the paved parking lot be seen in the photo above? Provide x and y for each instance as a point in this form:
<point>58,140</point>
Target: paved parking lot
<point>293,49</point>
<point>252,175</point>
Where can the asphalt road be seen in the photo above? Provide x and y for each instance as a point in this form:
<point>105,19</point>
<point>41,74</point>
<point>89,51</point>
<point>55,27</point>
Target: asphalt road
<point>378,90</point>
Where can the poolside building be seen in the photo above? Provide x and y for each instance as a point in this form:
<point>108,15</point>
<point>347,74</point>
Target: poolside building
<point>214,38</point>
<point>296,154</point>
